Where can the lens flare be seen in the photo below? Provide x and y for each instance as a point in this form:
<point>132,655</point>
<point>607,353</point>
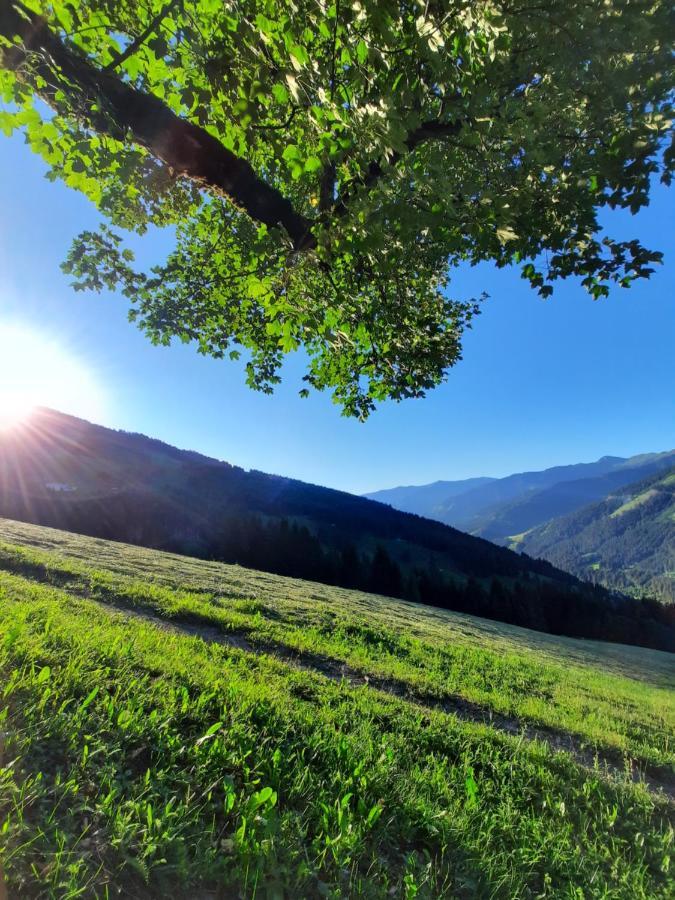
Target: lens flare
<point>36,370</point>
<point>14,409</point>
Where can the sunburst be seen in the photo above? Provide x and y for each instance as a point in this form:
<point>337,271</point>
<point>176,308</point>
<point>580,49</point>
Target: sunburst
<point>15,408</point>
<point>36,370</point>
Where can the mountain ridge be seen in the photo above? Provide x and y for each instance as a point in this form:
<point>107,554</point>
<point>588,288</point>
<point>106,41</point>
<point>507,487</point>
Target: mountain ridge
<point>61,471</point>
<point>479,510</point>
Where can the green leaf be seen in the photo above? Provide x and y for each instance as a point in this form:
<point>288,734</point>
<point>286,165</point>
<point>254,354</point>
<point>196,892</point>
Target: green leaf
<point>313,164</point>
<point>89,699</point>
<point>291,153</point>
<point>374,814</point>
<point>266,796</point>
<point>298,52</point>
<point>280,93</point>
<point>471,788</point>
<point>212,731</point>
<point>124,719</point>
<point>7,122</point>
<point>256,288</point>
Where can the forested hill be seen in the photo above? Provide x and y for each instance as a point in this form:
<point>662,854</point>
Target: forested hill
<point>627,541</point>
<point>61,471</point>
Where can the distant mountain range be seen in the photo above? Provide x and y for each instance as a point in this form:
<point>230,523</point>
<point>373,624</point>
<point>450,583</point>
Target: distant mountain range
<point>428,500</point>
<point>501,508</point>
<point>61,471</point>
<point>569,515</point>
<point>626,541</point>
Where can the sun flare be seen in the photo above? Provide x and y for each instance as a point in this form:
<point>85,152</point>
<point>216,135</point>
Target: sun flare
<point>36,370</point>
<point>14,408</point>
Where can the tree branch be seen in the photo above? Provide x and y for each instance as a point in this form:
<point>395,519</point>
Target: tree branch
<point>281,126</point>
<point>109,105</point>
<point>427,131</point>
<point>142,37</point>
<point>327,187</point>
<point>433,131</point>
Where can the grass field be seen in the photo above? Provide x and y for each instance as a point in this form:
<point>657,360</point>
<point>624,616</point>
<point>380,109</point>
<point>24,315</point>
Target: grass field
<point>178,728</point>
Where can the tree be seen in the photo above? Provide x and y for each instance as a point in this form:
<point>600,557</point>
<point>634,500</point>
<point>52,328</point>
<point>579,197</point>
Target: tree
<point>326,164</point>
<point>385,575</point>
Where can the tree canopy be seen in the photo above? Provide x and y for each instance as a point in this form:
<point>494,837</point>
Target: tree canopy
<point>326,164</point>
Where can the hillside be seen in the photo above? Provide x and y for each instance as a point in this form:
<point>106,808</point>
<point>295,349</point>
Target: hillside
<point>627,541</point>
<point>500,507</point>
<point>191,729</point>
<point>67,473</point>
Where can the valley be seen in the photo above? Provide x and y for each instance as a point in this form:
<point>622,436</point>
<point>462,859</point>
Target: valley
<point>626,541</point>
<point>571,516</point>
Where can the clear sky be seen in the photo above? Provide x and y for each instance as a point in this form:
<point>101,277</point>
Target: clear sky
<point>542,382</point>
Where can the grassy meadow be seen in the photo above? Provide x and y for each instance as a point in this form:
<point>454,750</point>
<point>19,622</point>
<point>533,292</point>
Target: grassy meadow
<point>179,728</point>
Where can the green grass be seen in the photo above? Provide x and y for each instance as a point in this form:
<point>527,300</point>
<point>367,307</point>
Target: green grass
<point>143,756</point>
<point>633,503</point>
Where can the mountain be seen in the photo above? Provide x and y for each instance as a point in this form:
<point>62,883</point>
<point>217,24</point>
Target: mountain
<point>64,472</point>
<point>427,499</point>
<point>627,541</point>
<point>500,508</point>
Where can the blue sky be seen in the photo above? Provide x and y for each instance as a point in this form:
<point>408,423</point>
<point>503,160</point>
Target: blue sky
<point>542,382</point>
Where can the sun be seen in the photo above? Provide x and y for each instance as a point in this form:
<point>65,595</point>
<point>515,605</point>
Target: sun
<point>14,409</point>
<point>38,370</point>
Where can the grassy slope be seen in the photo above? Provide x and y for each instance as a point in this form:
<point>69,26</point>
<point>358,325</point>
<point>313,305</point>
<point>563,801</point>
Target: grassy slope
<point>141,753</point>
